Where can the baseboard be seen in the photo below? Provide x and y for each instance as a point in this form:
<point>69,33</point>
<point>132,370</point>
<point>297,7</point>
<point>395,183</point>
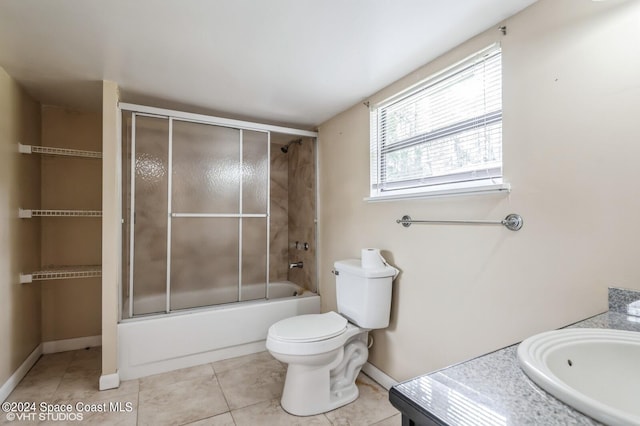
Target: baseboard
<point>71,344</point>
<point>109,381</point>
<point>378,375</point>
<point>19,374</point>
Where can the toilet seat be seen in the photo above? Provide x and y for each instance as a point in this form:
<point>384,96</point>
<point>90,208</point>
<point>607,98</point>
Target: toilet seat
<point>328,332</point>
<point>309,328</point>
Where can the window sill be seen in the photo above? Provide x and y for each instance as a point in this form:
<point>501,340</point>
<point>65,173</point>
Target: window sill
<point>448,191</point>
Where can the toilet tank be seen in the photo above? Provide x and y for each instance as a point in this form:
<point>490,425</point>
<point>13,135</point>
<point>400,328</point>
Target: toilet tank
<point>364,295</point>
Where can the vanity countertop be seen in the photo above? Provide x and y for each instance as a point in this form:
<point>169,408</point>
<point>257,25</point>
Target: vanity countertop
<point>492,389</point>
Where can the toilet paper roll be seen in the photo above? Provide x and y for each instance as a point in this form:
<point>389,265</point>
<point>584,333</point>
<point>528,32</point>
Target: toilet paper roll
<point>372,259</point>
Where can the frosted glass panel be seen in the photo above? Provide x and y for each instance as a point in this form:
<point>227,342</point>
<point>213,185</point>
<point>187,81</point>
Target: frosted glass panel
<point>254,171</point>
<point>204,261</point>
<point>254,258</point>
<point>215,171</point>
<point>150,231</point>
<point>206,168</point>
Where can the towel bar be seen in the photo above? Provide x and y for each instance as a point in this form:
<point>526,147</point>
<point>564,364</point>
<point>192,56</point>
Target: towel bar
<point>512,222</point>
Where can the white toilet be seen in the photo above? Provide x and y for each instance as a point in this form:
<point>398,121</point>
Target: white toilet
<point>325,352</point>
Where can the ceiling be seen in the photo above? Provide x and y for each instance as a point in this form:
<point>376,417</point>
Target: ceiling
<point>293,62</point>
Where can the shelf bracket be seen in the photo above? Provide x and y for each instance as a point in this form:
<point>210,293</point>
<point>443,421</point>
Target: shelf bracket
<point>24,149</point>
<point>25,213</point>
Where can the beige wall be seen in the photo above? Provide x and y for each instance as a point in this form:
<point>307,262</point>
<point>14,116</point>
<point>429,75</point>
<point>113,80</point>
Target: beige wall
<point>20,331</point>
<point>571,103</point>
<point>70,308</point>
<point>111,227</point>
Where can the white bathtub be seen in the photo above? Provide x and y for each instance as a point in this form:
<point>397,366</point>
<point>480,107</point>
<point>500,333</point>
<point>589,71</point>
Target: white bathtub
<point>168,342</point>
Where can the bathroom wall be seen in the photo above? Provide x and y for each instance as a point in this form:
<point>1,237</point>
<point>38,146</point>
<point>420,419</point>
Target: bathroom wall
<point>20,323</point>
<point>71,308</point>
<point>111,231</point>
<point>571,71</point>
<point>302,212</point>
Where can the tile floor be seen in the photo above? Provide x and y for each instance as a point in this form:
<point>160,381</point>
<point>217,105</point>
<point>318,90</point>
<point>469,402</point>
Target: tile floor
<point>238,391</point>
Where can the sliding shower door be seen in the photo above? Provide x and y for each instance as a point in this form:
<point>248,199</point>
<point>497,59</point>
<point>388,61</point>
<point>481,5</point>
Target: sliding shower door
<point>147,188</point>
<point>205,198</point>
<point>201,214</point>
<point>255,212</point>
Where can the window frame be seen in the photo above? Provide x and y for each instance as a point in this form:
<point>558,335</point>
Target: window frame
<point>475,181</point>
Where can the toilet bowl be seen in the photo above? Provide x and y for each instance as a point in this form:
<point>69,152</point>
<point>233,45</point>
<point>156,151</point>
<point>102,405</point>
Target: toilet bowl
<point>324,353</point>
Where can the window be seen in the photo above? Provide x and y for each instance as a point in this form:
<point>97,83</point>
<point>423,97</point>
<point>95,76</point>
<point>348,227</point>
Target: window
<point>442,136</point>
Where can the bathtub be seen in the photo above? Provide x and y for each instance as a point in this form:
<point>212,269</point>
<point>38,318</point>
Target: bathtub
<point>183,339</point>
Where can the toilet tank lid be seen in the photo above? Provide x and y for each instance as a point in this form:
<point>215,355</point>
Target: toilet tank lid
<point>354,266</point>
<point>309,328</point>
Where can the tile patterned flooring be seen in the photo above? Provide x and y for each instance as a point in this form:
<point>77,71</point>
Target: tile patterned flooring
<point>238,391</point>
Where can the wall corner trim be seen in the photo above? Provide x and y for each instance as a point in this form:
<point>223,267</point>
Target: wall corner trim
<point>19,374</point>
<point>379,376</point>
<point>109,381</point>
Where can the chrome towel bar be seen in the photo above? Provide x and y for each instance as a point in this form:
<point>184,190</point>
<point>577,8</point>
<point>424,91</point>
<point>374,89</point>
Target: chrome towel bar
<point>512,222</point>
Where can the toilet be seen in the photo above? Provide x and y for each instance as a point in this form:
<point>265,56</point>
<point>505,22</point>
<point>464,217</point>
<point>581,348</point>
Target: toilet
<point>325,352</point>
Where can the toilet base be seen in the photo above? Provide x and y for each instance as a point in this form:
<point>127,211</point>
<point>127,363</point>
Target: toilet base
<point>315,389</point>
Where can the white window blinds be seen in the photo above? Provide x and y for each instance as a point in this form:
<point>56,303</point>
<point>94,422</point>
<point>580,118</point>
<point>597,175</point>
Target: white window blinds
<point>446,130</point>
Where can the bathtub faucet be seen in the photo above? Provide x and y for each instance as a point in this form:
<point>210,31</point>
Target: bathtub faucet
<point>295,265</point>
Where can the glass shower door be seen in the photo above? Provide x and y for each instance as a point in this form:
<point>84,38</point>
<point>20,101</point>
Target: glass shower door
<point>254,218</point>
<point>204,233</point>
<point>196,226</point>
<point>149,150</point>
<point>217,176</point>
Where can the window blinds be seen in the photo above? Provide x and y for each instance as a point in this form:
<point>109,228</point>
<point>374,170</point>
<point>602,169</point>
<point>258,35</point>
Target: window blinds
<point>447,129</point>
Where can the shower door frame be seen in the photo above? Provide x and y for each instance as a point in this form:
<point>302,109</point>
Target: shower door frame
<point>171,115</point>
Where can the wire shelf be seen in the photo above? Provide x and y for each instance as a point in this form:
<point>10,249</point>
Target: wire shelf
<point>27,214</point>
<point>62,272</point>
<point>66,152</point>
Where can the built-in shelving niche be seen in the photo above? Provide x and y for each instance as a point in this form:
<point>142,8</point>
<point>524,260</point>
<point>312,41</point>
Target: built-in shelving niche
<point>58,272</point>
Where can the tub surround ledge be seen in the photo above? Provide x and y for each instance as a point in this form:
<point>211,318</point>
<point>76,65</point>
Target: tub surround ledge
<point>493,390</point>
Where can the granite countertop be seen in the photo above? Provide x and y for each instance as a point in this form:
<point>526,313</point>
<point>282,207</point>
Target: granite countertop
<point>493,390</point>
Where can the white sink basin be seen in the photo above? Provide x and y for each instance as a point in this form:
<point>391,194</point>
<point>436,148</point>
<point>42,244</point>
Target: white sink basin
<point>595,371</point>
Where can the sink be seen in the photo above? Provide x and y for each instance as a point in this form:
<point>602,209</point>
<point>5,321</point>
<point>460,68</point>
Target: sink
<point>595,371</point>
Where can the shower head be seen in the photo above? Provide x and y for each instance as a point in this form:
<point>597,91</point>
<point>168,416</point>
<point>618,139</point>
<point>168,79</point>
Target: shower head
<point>285,148</point>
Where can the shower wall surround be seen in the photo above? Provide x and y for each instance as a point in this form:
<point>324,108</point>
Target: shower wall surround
<point>279,232</point>
<point>293,200</point>
<point>302,212</point>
